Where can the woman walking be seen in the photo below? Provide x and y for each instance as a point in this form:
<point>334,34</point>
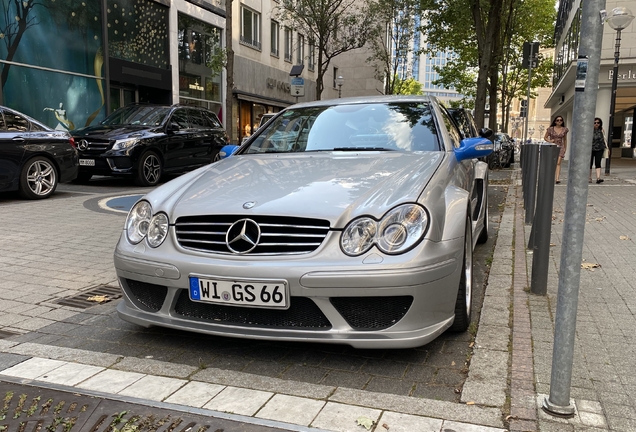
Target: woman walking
<point>557,134</point>
<point>598,147</point>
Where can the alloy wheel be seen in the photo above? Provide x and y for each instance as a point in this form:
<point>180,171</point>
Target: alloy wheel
<point>41,177</point>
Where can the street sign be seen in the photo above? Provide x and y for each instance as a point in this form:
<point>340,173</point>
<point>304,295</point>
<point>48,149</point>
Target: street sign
<point>297,87</point>
<point>530,54</point>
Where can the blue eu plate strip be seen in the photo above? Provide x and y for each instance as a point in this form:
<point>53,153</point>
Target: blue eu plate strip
<point>195,294</point>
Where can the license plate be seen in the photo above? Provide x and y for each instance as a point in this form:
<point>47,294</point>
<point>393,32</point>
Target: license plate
<point>87,162</point>
<point>252,293</point>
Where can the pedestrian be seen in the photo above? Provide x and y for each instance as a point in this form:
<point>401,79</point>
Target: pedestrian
<point>557,134</point>
<point>598,148</point>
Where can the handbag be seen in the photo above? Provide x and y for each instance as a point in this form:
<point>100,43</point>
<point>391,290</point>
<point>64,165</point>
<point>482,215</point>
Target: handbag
<point>605,153</point>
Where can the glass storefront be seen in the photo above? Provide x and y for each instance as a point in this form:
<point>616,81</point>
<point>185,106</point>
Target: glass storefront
<point>52,68</point>
<point>138,32</point>
<point>200,53</point>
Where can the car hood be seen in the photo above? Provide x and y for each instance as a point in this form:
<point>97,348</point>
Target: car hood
<point>111,132</point>
<point>331,186</point>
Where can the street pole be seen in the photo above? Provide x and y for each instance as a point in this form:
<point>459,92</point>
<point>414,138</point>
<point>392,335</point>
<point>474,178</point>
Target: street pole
<point>586,88</point>
<point>530,62</point>
<point>610,124</point>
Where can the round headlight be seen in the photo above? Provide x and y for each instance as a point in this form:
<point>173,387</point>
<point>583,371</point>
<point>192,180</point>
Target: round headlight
<point>158,230</point>
<point>358,236</point>
<point>138,221</point>
<point>401,228</point>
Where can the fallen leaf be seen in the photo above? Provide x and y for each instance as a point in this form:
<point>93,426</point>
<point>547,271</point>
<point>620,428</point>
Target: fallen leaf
<point>366,422</point>
<point>470,403</point>
<point>472,344</point>
<point>589,266</point>
<point>98,299</point>
<point>453,363</point>
<point>552,244</point>
<point>600,219</point>
<point>385,426</point>
<point>624,238</point>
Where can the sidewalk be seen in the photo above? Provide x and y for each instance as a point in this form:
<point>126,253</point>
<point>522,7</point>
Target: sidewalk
<point>509,371</point>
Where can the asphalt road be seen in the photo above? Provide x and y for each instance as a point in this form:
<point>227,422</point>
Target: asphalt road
<point>434,371</point>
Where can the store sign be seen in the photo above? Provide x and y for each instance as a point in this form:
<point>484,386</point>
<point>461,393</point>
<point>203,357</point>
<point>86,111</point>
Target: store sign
<point>276,84</point>
<point>622,76</point>
<point>196,86</point>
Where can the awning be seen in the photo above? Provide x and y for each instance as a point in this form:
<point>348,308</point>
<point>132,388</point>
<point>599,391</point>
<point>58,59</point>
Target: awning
<point>260,99</point>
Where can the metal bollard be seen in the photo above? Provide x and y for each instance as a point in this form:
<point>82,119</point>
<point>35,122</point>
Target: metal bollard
<point>542,224</point>
<point>532,161</point>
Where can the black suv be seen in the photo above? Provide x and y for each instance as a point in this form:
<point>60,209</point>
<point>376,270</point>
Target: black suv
<point>146,141</point>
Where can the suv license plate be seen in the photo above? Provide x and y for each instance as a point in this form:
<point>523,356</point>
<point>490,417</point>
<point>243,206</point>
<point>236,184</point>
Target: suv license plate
<point>252,293</point>
<point>87,162</point>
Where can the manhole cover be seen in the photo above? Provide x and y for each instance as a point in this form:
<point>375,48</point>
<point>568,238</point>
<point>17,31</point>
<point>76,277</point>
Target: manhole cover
<point>99,295</point>
<point>33,409</point>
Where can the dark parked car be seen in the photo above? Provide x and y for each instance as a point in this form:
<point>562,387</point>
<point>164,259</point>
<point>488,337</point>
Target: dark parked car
<point>504,153</point>
<point>33,157</point>
<point>146,141</point>
<point>466,123</point>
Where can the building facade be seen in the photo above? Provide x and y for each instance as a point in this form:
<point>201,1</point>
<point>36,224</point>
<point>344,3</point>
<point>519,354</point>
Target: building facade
<point>561,99</point>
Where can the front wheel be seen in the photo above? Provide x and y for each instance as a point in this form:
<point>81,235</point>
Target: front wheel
<point>149,169</point>
<point>464,302</point>
<point>38,178</point>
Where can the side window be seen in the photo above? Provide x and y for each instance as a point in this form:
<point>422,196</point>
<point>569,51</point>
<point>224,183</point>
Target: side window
<point>15,123</point>
<point>196,119</point>
<point>180,117</point>
<point>455,136</point>
<point>213,119</point>
<point>3,127</point>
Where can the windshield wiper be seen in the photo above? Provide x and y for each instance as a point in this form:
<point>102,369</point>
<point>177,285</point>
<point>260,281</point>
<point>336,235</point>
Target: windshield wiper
<point>362,149</point>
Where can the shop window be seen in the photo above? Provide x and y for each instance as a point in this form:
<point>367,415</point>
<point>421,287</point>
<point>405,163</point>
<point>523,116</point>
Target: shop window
<point>275,30</point>
<point>312,55</point>
<point>250,28</point>
<point>128,40</point>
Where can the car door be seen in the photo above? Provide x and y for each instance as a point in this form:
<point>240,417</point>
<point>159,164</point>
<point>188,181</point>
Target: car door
<point>179,143</point>
<point>202,137</point>
<point>13,142</point>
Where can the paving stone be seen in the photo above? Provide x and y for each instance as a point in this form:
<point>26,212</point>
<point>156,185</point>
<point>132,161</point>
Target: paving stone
<point>155,388</point>
<point>239,401</point>
<point>291,409</point>
<point>396,422</point>
<point>343,418</point>
<point>195,394</point>
<point>110,381</point>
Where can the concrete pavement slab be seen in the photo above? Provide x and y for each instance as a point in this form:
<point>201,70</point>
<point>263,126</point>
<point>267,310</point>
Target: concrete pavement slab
<point>195,394</point>
<point>291,409</point>
<point>237,400</point>
<point>345,418</point>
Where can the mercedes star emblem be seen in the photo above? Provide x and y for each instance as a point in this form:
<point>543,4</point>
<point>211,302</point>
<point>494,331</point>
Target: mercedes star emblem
<point>243,236</point>
<point>82,144</point>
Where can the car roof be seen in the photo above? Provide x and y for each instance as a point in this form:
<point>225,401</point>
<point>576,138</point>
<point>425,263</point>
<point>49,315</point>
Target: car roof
<point>367,99</point>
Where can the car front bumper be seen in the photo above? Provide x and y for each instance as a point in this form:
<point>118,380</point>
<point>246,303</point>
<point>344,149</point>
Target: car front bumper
<point>155,283</point>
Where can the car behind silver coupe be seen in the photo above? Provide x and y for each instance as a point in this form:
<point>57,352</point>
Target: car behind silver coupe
<point>347,221</point>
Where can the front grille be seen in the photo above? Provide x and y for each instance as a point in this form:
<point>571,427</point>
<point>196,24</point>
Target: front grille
<point>146,296</point>
<point>302,314</point>
<point>280,235</point>
<point>94,145</point>
<point>372,313</point>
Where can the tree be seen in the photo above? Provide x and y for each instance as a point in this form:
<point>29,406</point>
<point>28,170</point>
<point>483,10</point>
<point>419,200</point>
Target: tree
<point>391,40</point>
<point>407,86</point>
<point>335,26</point>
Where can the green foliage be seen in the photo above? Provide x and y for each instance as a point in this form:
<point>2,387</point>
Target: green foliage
<point>408,86</point>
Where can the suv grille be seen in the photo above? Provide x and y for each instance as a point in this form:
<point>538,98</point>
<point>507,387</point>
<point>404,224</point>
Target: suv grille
<point>94,145</point>
<point>279,235</point>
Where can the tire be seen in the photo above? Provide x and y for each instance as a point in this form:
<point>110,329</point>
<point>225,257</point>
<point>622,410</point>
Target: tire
<point>149,169</point>
<point>483,235</point>
<point>464,302</point>
<point>38,178</point>
<point>83,177</point>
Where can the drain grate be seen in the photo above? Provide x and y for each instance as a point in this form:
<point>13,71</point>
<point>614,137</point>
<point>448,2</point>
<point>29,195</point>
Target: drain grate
<point>25,409</point>
<point>98,295</point>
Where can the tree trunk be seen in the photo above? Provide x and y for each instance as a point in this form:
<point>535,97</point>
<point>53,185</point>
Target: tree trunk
<point>12,50</point>
<point>229,69</point>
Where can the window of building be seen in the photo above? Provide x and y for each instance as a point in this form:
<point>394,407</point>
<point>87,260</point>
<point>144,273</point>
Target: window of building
<point>288,44</point>
<point>301,50</point>
<point>275,29</point>
<point>312,54</point>
<point>250,28</point>
<point>335,75</point>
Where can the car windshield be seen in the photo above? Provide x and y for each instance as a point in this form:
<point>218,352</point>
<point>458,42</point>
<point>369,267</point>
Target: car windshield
<point>138,115</point>
<point>402,126</point>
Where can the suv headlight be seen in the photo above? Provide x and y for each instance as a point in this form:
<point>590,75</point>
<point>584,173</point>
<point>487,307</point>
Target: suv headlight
<point>158,230</point>
<point>124,143</point>
<point>398,231</point>
<point>138,221</point>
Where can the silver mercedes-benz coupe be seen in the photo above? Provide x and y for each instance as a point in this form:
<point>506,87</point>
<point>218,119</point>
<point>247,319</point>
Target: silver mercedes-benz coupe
<point>348,221</point>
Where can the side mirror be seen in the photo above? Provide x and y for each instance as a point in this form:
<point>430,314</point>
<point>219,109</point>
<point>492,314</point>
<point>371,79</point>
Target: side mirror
<point>471,148</point>
<point>173,127</point>
<point>485,133</point>
<point>227,151</point>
